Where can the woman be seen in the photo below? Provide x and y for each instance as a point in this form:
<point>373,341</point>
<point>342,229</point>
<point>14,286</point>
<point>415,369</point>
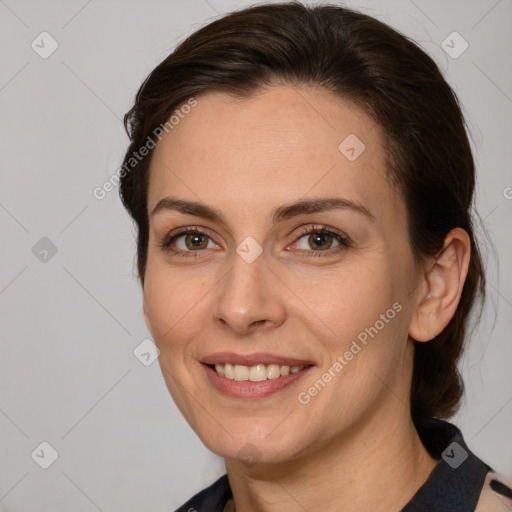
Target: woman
<point>308,261</point>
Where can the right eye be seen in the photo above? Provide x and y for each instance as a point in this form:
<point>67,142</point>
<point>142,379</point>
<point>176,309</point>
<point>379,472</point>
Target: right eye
<point>188,240</point>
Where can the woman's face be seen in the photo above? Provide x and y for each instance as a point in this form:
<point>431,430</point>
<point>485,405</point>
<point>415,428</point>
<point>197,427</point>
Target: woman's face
<point>268,283</point>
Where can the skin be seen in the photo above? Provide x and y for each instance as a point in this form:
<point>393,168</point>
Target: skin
<point>353,447</point>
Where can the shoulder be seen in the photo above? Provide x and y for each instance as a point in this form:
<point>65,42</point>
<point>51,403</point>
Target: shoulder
<point>461,480</point>
<point>211,499</point>
<point>496,495</point>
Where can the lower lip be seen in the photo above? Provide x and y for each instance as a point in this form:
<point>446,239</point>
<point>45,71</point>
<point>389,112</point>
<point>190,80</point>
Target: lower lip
<point>249,389</point>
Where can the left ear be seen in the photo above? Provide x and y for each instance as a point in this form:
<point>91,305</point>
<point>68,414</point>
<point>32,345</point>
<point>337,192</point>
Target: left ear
<point>442,287</point>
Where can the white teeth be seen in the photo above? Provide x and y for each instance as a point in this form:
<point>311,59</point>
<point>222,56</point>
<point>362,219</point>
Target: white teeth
<point>241,372</point>
<point>256,373</point>
<point>219,369</point>
<point>273,371</point>
<point>228,371</point>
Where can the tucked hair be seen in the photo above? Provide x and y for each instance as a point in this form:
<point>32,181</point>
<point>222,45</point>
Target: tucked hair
<point>361,59</point>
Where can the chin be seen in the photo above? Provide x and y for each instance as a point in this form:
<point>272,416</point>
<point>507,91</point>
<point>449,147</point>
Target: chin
<point>252,443</point>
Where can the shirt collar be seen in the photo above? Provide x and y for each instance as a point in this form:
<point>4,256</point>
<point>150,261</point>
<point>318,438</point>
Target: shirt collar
<point>454,484</point>
<point>456,481</point>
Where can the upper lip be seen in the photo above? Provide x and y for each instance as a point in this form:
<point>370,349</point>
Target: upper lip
<point>254,359</point>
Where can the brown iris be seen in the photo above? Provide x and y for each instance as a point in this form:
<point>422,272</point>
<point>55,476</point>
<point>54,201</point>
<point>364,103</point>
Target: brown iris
<point>193,241</point>
<point>318,239</point>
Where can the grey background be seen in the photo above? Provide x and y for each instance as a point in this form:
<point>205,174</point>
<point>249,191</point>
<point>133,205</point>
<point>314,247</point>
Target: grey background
<point>70,324</point>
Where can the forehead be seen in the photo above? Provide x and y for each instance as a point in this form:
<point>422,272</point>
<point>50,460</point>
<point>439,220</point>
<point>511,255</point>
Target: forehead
<point>281,144</point>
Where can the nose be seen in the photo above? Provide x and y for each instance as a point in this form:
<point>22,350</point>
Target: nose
<point>249,297</point>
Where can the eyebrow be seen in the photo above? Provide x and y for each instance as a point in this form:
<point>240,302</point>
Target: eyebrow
<point>287,211</point>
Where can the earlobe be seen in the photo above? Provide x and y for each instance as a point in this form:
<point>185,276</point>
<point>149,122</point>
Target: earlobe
<point>443,284</point>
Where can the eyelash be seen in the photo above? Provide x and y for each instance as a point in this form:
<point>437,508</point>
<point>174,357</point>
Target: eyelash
<point>340,237</point>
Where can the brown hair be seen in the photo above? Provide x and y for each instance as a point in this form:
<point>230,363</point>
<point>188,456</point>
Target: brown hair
<point>397,84</point>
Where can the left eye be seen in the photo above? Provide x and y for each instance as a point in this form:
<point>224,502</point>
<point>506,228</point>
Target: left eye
<point>320,240</point>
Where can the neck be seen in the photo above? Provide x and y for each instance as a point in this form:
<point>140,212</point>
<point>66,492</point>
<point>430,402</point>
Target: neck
<point>378,465</point>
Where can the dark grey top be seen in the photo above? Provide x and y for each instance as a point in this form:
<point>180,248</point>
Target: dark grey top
<point>454,485</point>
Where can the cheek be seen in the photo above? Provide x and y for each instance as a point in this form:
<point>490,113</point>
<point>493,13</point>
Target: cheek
<point>358,318</point>
<point>345,301</point>
<point>171,300</point>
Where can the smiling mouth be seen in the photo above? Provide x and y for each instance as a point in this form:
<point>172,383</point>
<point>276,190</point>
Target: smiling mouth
<point>255,373</point>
